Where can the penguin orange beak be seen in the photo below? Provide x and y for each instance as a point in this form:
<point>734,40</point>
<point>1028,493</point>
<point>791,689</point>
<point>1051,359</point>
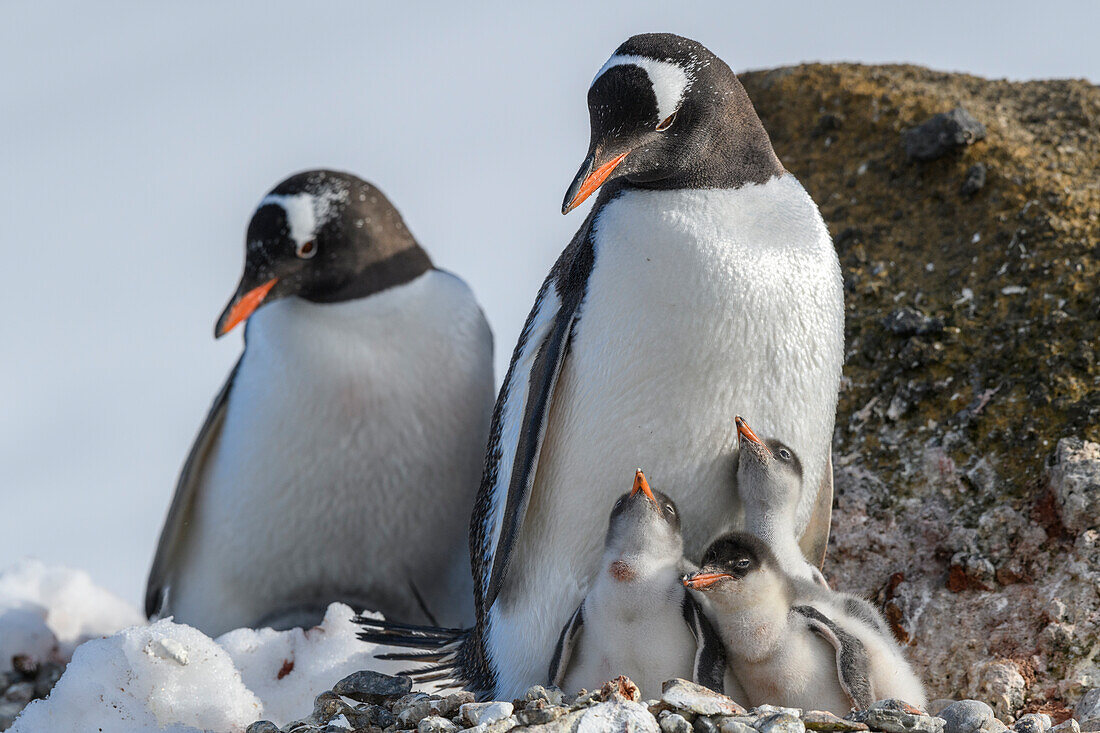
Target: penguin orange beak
<point>242,306</point>
<point>702,581</point>
<point>746,432</point>
<point>640,484</point>
<point>589,178</point>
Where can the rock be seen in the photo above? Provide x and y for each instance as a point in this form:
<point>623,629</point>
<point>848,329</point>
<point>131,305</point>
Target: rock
<point>823,720</point>
<point>262,726</point>
<point>540,715</point>
<point>448,706</point>
<point>9,711</point>
<point>780,723</point>
<point>1032,723</point>
<point>704,724</point>
<point>763,710</point>
<point>1074,477</point>
<point>617,716</point>
<point>733,725</point>
<point>941,134</point>
<point>482,713</point>
<point>911,322</point>
<point>622,687</point>
<point>549,693</point>
<point>1068,726</point>
<point>967,716</point>
<point>366,715</point>
<point>435,724</point>
<point>565,724</point>
<point>999,682</point>
<point>20,693</point>
<point>697,699</point>
<point>410,715</point>
<point>671,722</point>
<point>974,181</point>
<point>48,675</point>
<point>1087,710</point>
<point>896,716</point>
<point>374,687</point>
<point>328,705</point>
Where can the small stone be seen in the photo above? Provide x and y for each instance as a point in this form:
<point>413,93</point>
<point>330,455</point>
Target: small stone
<point>823,720</point>
<point>1068,726</point>
<point>48,675</point>
<point>368,686</point>
<point>998,682</point>
<point>974,181</point>
<point>728,724</point>
<point>1074,475</point>
<point>941,134</point>
<point>911,322</point>
<point>24,664</point>
<point>763,710</point>
<point>616,716</point>
<point>9,711</point>
<point>481,713</point>
<point>780,723</point>
<point>671,722</point>
<point>967,716</point>
<point>896,716</point>
<point>327,706</point>
<point>548,693</point>
<point>435,724</point>
<point>339,724</point>
<point>20,693</point>
<point>366,715</point>
<point>622,687</point>
<point>539,715</point>
<point>448,706</point>
<point>262,726</point>
<point>1032,723</point>
<point>697,699</point>
<point>704,724</point>
<point>411,715</point>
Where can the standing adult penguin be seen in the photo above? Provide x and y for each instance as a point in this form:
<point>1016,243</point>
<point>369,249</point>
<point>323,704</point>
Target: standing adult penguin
<point>703,283</point>
<point>356,417</point>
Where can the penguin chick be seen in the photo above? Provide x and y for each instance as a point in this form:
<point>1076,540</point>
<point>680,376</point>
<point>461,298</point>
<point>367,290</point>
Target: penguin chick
<point>769,484</point>
<point>637,619</point>
<point>796,644</point>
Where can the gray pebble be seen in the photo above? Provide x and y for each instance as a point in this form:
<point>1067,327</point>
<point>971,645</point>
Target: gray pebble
<point>1032,723</point>
<point>48,675</point>
<point>697,699</point>
<point>703,724</point>
<point>20,693</point>
<point>435,724</point>
<point>763,710</point>
<point>328,705</point>
<point>671,722</point>
<point>1087,710</point>
<point>262,726</point>
<point>941,134</point>
<point>368,686</point>
<point>482,713</point>
<point>974,181</point>
<point>967,716</point>
<point>539,715</point>
<point>780,723</point>
<point>410,716</point>
<point>733,725</point>
<point>549,693</point>
<point>1069,726</point>
<point>895,716</point>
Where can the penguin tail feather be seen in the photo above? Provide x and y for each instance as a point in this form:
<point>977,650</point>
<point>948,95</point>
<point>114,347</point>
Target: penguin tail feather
<point>437,646</point>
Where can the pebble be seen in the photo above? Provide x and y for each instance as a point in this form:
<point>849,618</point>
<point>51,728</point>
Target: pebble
<point>974,181</point>
<point>671,722</point>
<point>733,725</point>
<point>823,720</point>
<point>1032,723</point>
<point>616,716</point>
<point>480,713</point>
<point>262,726</point>
<point>698,699</point>
<point>762,710</point>
<point>911,322</point>
<point>435,724</point>
<point>703,724</point>
<point>1069,726</point>
<point>1087,709</point>
<point>548,693</point>
<point>967,716</point>
<point>780,723</point>
<point>896,716</point>
<point>368,686</point>
<point>1074,476</point>
<point>411,715</point>
<point>20,693</point>
<point>941,134</point>
<point>328,705</point>
<point>540,715</point>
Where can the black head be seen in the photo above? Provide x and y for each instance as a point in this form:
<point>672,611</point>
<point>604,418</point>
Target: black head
<point>732,556</point>
<point>667,113</point>
<point>326,237</point>
<point>641,500</point>
<point>645,522</point>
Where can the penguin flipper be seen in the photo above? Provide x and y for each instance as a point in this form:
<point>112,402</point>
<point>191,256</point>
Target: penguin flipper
<point>187,488</point>
<point>709,668</point>
<point>815,538</point>
<point>852,664</point>
<point>522,409</point>
<point>563,650</point>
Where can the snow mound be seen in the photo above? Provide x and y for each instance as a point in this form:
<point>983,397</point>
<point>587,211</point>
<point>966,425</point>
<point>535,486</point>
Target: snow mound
<point>173,677</point>
<point>287,669</point>
<point>163,676</point>
<point>45,612</point>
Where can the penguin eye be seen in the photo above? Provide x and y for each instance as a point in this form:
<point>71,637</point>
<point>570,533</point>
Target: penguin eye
<point>667,123</point>
<point>305,250</point>
<point>784,454</point>
<point>670,509</point>
<point>743,563</point>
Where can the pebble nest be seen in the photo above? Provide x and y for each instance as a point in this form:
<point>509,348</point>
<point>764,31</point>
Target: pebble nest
<point>370,702</point>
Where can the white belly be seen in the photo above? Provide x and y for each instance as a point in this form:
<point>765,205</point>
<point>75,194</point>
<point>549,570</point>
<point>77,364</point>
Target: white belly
<point>800,673</point>
<point>702,305</point>
<point>348,462</point>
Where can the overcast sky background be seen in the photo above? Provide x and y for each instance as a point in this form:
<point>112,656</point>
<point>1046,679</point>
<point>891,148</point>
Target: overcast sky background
<point>135,140</point>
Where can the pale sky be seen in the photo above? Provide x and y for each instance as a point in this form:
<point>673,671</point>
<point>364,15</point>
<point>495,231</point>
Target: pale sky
<point>135,140</point>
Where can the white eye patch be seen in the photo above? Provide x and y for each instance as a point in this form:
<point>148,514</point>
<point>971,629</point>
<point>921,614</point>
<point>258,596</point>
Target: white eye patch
<point>669,80</point>
<point>300,214</point>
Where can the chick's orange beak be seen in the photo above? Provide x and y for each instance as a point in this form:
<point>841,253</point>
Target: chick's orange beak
<point>746,432</point>
<point>701,581</point>
<point>243,307</point>
<point>640,484</point>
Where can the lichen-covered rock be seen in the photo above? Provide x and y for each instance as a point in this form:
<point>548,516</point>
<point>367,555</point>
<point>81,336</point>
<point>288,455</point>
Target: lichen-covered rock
<point>1032,723</point>
<point>1075,481</point>
<point>942,438</point>
<point>780,723</point>
<point>823,720</point>
<point>684,695</point>
<point>368,686</point>
<point>897,716</point>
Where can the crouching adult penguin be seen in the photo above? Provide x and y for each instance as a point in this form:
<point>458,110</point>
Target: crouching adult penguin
<point>352,428</point>
<point>703,283</point>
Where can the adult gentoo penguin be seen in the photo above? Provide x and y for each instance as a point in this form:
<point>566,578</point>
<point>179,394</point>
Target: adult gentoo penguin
<point>637,619</point>
<point>703,283</point>
<point>794,643</point>
<point>351,429</point>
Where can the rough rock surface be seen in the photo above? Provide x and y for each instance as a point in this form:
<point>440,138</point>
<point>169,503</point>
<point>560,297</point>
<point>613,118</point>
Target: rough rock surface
<point>985,559</point>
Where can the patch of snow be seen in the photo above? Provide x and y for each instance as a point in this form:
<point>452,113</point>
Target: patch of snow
<point>46,611</point>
